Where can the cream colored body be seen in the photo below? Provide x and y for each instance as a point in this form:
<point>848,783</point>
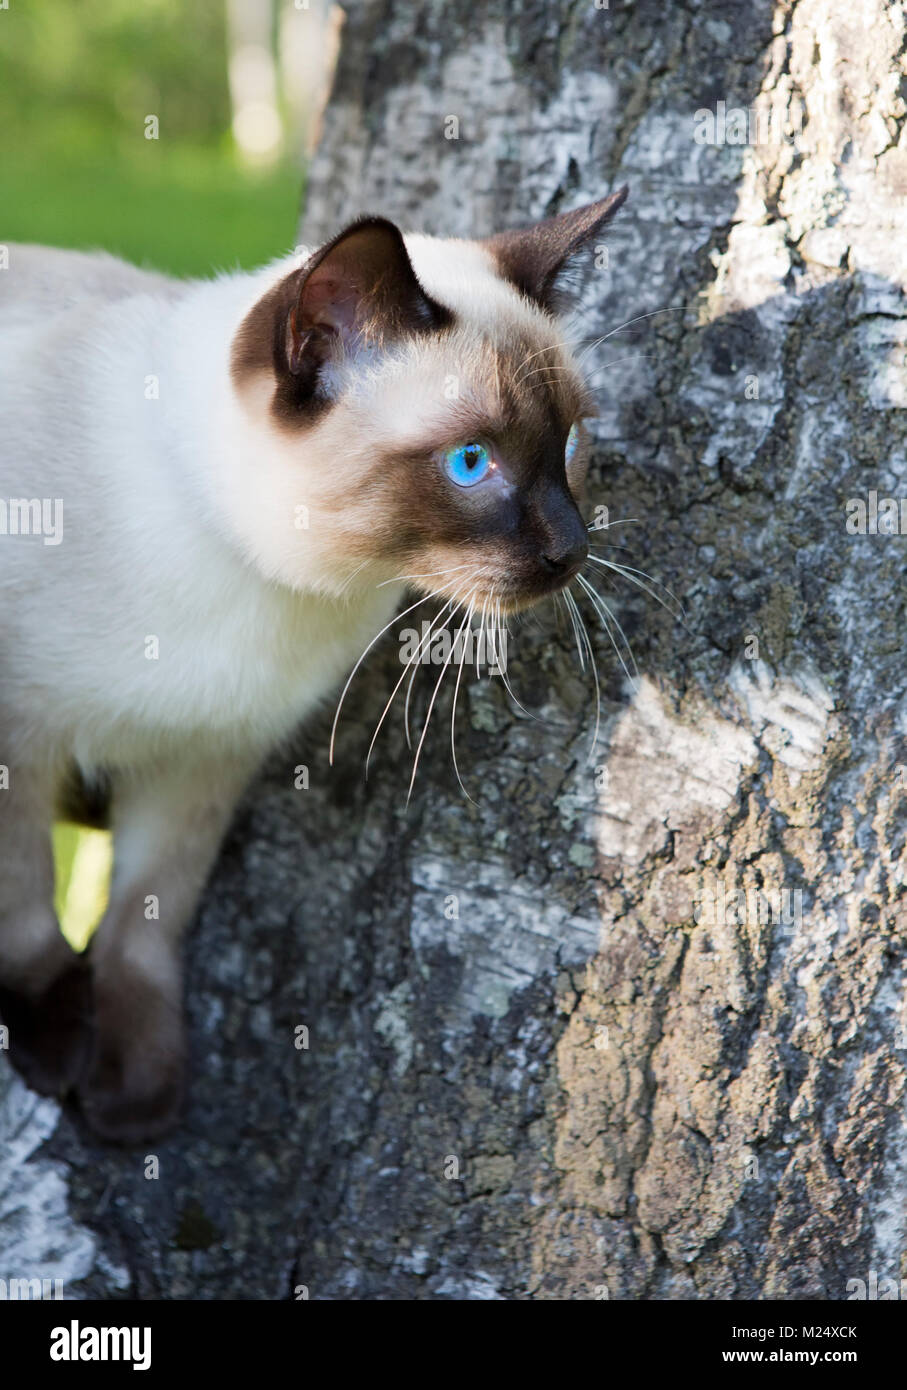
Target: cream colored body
<point>212,575</point>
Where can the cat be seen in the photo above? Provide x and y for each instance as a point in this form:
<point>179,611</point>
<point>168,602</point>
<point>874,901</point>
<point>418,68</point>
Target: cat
<point>215,494</point>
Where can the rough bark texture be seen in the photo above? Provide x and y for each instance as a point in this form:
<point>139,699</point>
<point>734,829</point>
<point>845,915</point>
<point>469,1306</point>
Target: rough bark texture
<point>642,1101</point>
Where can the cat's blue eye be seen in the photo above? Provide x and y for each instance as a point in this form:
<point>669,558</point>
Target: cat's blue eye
<point>468,464</point>
<point>572,445</point>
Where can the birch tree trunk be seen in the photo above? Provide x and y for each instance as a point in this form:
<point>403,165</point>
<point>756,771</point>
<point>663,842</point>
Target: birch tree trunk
<point>633,1028</point>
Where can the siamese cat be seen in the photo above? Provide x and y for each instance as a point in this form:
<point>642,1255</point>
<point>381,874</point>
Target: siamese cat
<point>212,496</point>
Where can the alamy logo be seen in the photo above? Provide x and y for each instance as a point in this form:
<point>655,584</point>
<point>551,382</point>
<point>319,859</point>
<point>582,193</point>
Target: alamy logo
<point>739,125</point>
<point>32,516</point>
<point>884,1290</point>
<point>876,516</point>
<point>437,646</point>
<point>30,1289</point>
<point>75,1343</point>
<point>722,905</point>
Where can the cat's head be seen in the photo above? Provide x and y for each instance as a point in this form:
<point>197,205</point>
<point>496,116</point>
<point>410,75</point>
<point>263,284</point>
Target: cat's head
<point>417,412</point>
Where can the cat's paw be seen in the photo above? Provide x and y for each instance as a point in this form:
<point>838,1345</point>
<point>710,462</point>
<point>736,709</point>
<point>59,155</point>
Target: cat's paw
<point>134,1114</point>
<point>51,1035</point>
<point>133,1091</point>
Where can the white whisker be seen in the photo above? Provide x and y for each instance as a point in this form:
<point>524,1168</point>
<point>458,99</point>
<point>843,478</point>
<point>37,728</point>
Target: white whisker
<point>431,705</point>
<point>555,367</point>
<point>503,668</point>
<point>431,574</point>
<point>414,663</point>
<point>624,521</point>
<point>347,583</point>
<point>453,714</point>
<point>607,617</point>
<point>579,647</point>
<point>549,347</point>
<point>631,357</point>
<point>591,654</point>
<point>409,688</point>
<point>629,573</point>
<point>671,309</point>
<point>435,594</point>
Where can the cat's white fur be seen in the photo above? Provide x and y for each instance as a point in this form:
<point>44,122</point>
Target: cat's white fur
<point>188,618</point>
<point>179,509</point>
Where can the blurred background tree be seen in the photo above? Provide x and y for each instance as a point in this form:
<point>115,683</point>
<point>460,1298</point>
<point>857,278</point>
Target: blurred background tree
<point>236,89</point>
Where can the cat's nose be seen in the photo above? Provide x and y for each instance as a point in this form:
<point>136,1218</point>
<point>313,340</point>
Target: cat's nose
<point>566,563</point>
<point>565,552</point>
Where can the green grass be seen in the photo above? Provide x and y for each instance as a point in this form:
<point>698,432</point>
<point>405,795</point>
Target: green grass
<point>82,864</point>
<point>187,211</point>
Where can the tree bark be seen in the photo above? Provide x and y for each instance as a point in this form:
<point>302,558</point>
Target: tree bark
<point>558,1044</point>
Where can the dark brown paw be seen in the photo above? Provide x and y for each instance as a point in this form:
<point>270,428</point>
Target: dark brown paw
<point>133,1090</point>
<point>130,1113</point>
<point>51,1036</point>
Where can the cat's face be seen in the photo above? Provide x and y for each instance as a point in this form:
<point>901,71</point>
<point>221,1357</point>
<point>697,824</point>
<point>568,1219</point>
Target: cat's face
<point>424,414</point>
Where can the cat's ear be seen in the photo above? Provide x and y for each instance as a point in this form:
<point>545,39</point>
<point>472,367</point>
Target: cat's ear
<point>535,259</point>
<point>359,289</point>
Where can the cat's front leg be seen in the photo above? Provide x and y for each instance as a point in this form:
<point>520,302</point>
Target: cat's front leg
<point>45,988</point>
<point>167,827</point>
